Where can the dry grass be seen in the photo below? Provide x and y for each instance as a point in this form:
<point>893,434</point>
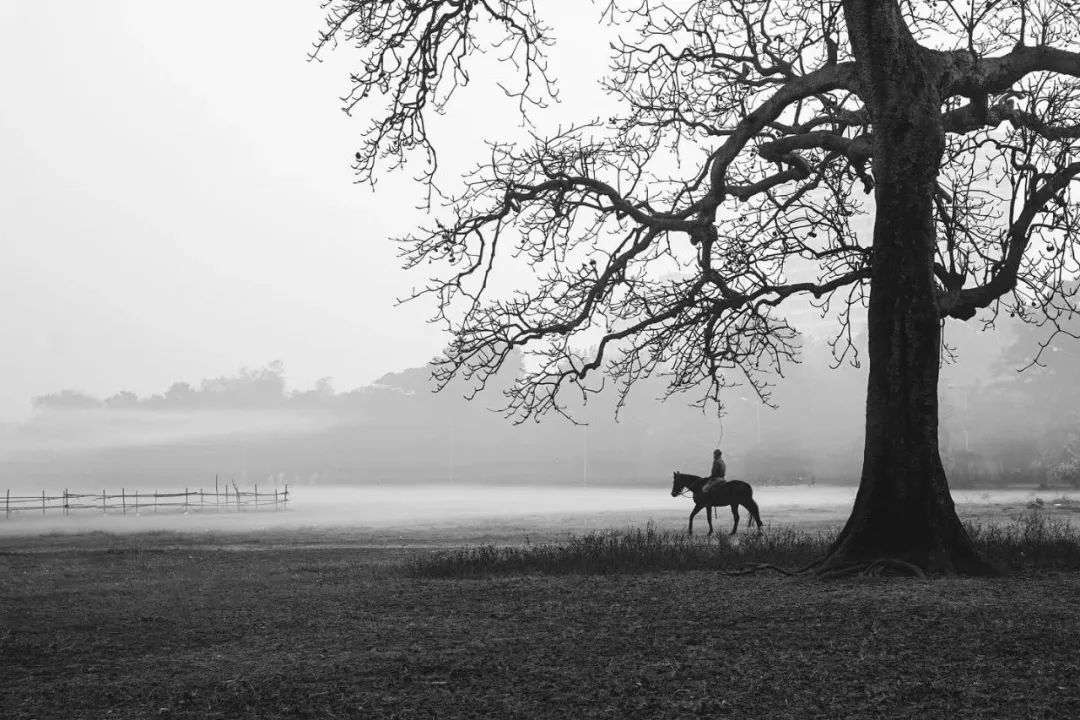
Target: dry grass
<point>632,550</point>
<point>179,626</point>
<point>1034,540</point>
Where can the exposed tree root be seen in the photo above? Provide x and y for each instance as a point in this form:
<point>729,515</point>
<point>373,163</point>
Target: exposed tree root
<point>876,568</point>
<point>759,567</point>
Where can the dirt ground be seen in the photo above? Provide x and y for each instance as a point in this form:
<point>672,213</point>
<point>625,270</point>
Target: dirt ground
<point>326,623</point>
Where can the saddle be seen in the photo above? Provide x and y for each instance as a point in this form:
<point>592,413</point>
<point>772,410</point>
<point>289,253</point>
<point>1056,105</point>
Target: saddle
<point>712,482</point>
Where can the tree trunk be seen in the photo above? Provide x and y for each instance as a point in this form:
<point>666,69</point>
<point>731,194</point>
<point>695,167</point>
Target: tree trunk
<point>903,509</point>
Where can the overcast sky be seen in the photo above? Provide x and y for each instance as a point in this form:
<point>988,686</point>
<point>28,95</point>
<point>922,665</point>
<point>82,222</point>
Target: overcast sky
<point>176,202</point>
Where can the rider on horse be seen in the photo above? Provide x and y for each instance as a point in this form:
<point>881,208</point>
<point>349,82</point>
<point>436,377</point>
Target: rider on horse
<point>719,471</point>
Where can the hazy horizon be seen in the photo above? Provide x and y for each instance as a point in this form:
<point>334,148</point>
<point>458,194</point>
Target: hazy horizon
<point>171,217</point>
<point>251,426</point>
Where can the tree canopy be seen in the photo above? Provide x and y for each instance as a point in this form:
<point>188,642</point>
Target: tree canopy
<point>681,268</point>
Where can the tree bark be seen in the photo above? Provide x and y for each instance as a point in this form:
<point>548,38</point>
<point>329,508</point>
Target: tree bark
<point>903,509</point>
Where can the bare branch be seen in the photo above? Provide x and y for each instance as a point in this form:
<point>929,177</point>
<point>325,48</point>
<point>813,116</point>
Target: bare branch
<point>963,304</point>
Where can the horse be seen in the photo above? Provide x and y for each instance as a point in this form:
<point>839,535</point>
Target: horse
<point>731,492</point>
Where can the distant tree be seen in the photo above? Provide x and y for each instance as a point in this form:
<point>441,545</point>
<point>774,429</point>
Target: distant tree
<point>752,135</point>
<point>322,395</point>
<point>123,400</point>
<point>1037,383</point>
<point>180,395</point>
<point>324,386</point>
<point>263,387</point>
<point>1043,358</point>
<point>66,400</point>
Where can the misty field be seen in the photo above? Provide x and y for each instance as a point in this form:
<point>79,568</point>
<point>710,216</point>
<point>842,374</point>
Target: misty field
<point>353,621</point>
<point>427,515</point>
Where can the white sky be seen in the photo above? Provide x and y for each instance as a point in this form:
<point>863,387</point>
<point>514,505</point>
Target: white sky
<point>176,202</point>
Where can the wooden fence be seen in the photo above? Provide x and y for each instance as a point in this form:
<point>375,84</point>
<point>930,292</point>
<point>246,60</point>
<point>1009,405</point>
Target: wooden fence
<point>217,500</point>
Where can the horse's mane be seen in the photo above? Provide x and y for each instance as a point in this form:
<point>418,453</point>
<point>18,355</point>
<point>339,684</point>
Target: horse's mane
<point>689,479</point>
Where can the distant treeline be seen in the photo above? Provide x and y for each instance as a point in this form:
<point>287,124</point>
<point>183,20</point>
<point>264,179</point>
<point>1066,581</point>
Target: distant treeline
<point>261,388</point>
<point>998,426</point>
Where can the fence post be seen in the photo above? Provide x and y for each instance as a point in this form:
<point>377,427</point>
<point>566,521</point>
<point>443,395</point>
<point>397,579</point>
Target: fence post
<point>202,500</point>
<point>65,501</point>
<point>42,503</point>
<point>217,492</point>
<point>103,501</point>
<point>185,501</point>
<point>285,501</point>
<point>275,498</point>
<point>155,501</point>
<point>136,502</point>
<point>256,496</point>
<point>7,504</point>
<point>123,500</point>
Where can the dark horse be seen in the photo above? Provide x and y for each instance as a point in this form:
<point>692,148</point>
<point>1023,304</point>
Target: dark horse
<point>731,492</point>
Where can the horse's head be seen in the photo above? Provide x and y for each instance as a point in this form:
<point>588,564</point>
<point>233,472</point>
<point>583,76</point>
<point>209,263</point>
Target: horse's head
<point>677,484</point>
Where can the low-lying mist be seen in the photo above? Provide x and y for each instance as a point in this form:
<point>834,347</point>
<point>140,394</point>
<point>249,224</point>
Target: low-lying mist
<point>997,429</point>
<point>433,509</point>
<point>90,430</point>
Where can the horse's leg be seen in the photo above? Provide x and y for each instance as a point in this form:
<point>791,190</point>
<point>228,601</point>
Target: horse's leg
<point>735,514</point>
<point>695,511</point>
<point>755,516</point>
<point>709,515</point>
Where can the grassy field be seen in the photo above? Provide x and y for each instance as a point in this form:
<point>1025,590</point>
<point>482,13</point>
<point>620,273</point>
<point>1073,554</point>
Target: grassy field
<point>335,624</point>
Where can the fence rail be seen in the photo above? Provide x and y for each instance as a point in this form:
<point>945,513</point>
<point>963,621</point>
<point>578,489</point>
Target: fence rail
<point>217,500</point>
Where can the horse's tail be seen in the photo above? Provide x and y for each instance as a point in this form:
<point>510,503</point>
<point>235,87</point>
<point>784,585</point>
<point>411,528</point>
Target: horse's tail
<point>751,505</point>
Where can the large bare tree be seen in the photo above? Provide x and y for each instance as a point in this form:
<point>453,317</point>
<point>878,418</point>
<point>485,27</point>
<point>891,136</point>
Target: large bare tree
<point>752,136</point>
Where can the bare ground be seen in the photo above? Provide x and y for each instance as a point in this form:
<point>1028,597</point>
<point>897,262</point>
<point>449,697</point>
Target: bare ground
<point>331,626</point>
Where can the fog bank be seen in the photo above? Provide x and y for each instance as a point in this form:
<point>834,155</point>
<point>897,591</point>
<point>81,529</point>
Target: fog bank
<point>433,508</point>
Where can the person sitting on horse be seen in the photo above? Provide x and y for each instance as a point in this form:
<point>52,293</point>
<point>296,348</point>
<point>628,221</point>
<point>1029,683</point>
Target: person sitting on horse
<point>718,473</point>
